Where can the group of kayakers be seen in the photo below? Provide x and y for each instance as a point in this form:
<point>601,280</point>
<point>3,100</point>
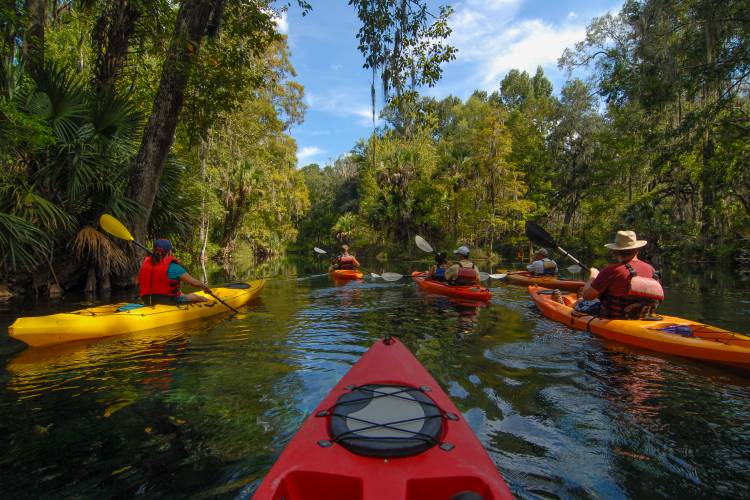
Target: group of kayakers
<point>629,288</point>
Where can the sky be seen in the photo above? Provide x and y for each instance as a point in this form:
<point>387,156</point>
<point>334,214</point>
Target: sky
<point>492,37</point>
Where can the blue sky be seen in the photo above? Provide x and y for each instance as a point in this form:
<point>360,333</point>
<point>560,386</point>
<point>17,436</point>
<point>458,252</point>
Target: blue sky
<point>492,37</point>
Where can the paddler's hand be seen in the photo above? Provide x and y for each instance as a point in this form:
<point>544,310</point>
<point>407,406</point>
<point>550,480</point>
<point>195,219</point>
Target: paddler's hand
<point>205,288</point>
<point>593,272</point>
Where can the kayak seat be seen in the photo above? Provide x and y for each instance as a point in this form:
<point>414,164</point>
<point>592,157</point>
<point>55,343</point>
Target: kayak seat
<point>129,307</point>
<point>385,421</point>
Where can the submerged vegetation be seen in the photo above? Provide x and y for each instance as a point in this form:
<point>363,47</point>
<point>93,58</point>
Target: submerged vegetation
<point>175,117</point>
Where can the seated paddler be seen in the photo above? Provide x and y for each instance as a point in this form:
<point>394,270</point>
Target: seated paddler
<point>162,274</point>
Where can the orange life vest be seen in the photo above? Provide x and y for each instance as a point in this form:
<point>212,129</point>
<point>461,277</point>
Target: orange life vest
<point>466,275</point>
<point>346,262</point>
<point>642,292</point>
<point>154,280</point>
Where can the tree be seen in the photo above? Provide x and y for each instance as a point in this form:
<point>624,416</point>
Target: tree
<point>404,42</point>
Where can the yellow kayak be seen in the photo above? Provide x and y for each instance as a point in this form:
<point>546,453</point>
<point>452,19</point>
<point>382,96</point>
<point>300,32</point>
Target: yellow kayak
<point>670,335</point>
<point>117,319</point>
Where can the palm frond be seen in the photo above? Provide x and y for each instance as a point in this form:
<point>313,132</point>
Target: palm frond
<point>91,244</point>
<point>22,244</point>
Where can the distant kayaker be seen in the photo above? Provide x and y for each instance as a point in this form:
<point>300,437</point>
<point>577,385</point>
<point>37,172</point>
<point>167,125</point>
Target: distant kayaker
<point>345,260</point>
<point>463,272</point>
<point>628,289</point>
<point>441,264</point>
<point>161,275</point>
<point>541,264</point>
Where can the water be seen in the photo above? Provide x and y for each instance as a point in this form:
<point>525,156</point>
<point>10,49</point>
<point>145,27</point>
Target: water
<point>203,410</point>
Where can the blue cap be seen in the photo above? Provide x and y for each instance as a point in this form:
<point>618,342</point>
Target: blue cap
<point>163,244</point>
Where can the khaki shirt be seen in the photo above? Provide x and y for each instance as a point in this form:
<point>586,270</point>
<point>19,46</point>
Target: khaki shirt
<point>452,272</point>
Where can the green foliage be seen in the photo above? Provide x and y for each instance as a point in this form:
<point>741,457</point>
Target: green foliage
<point>403,41</point>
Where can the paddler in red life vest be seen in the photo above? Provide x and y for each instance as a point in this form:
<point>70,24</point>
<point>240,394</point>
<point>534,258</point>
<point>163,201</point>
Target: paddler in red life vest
<point>628,289</point>
<point>161,275</point>
<point>345,260</point>
<point>463,272</point>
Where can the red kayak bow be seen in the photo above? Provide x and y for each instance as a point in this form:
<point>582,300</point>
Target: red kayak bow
<point>386,431</point>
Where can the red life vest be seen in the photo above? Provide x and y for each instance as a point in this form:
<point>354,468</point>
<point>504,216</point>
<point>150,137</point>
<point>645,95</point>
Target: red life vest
<point>466,275</point>
<point>153,278</point>
<point>346,262</point>
<point>642,291</point>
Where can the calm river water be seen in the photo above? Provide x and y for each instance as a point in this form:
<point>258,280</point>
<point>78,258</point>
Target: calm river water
<point>203,410</point>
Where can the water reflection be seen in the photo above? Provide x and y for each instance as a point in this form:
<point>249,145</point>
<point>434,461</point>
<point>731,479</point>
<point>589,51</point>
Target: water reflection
<point>204,409</point>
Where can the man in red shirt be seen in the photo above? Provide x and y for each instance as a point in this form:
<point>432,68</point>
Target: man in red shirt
<point>613,285</point>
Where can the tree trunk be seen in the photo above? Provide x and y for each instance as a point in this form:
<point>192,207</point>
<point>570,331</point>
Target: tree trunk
<point>33,43</point>
<point>203,230</point>
<point>193,19</point>
<point>111,40</point>
<point>232,223</point>
<point>708,194</point>
<point>9,32</point>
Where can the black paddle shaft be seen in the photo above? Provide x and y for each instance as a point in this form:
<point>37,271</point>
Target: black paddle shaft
<point>538,235</point>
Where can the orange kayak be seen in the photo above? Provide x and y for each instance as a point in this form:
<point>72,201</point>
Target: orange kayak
<point>525,279</point>
<point>469,292</point>
<point>669,335</point>
<point>346,274</point>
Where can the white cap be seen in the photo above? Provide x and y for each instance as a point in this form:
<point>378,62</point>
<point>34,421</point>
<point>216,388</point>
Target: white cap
<point>462,250</point>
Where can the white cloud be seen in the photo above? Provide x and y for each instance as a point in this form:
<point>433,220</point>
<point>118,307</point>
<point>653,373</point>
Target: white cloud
<point>282,24</point>
<point>572,15</point>
<point>305,154</point>
<point>491,40</point>
<point>345,102</point>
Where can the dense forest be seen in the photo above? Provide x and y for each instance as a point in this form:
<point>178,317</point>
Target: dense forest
<point>655,140</point>
<point>176,116</point>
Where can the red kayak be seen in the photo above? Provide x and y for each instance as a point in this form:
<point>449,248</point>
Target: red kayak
<point>346,274</point>
<point>467,292</point>
<point>386,431</point>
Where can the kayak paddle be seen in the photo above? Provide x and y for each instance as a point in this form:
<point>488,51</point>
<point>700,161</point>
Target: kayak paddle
<point>118,230</point>
<point>426,247</point>
<point>387,276</point>
<point>538,235</point>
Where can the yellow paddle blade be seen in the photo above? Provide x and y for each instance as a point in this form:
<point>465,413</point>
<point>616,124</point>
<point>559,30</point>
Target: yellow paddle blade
<point>115,227</point>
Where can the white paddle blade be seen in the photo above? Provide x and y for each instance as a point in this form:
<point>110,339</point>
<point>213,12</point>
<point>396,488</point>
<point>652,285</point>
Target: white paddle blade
<point>319,250</point>
<point>483,276</point>
<point>575,268</point>
<point>498,276</point>
<point>376,276</point>
<point>423,245</point>
<point>392,276</point>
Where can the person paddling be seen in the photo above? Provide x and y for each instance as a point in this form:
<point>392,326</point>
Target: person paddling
<point>464,272</point>
<point>628,289</point>
<point>346,260</point>
<point>160,277</point>
<point>541,264</point>
<point>437,273</point>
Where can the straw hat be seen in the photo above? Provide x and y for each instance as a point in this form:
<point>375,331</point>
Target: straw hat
<point>542,251</point>
<point>626,240</point>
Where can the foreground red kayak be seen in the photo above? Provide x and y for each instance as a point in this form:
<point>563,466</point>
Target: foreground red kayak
<point>346,274</point>
<point>386,431</point>
<point>470,292</point>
